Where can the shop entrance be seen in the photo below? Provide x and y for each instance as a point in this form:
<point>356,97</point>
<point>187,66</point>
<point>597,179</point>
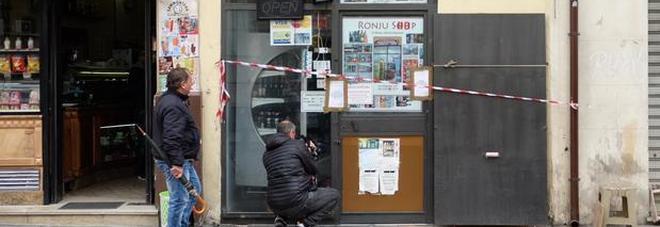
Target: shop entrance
<point>101,52</point>
<point>502,54</point>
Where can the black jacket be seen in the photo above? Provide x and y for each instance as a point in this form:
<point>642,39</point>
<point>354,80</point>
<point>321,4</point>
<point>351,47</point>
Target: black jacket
<point>174,128</point>
<point>290,170</point>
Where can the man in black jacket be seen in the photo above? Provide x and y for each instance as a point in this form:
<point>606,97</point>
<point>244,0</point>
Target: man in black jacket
<point>292,193</point>
<point>177,135</point>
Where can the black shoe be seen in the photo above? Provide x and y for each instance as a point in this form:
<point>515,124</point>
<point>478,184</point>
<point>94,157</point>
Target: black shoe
<point>280,222</point>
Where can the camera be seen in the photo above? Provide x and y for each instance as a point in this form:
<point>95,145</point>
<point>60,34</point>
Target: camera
<point>311,147</point>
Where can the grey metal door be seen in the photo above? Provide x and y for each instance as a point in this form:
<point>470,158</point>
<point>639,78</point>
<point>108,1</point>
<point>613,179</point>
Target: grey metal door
<point>502,54</point>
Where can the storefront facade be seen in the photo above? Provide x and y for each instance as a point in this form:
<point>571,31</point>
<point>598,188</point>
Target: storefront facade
<point>71,74</point>
<point>505,47</point>
<point>508,47</point>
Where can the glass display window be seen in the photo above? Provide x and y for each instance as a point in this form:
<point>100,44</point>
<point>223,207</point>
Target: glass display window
<point>19,56</point>
<point>261,98</point>
<point>378,54</point>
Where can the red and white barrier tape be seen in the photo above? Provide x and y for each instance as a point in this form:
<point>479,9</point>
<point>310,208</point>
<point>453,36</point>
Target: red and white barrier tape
<point>437,88</point>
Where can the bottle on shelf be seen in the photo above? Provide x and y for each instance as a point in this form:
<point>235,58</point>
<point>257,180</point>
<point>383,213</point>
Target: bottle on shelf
<point>18,44</point>
<point>7,43</point>
<point>30,43</point>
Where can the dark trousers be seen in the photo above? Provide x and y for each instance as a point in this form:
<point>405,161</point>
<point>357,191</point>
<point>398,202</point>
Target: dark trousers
<point>319,204</point>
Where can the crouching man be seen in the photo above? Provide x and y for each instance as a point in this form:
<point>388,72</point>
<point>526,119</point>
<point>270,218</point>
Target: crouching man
<point>292,192</point>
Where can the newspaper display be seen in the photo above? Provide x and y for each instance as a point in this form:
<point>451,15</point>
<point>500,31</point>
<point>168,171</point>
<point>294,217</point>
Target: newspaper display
<point>383,49</point>
<point>379,165</point>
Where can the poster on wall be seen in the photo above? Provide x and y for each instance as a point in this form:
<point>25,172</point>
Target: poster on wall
<point>383,49</point>
<point>378,165</point>
<point>178,39</point>
<point>383,1</point>
<point>291,32</point>
<point>165,64</point>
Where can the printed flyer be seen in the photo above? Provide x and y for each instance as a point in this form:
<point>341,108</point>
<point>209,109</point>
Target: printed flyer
<point>383,49</point>
<point>291,32</point>
<point>379,165</point>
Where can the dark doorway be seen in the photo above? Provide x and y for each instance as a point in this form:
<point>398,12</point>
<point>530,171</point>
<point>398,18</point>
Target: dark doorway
<point>102,59</point>
<point>503,54</point>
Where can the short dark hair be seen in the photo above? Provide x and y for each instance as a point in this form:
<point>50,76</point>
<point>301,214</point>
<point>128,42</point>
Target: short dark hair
<point>176,77</point>
<point>286,127</point>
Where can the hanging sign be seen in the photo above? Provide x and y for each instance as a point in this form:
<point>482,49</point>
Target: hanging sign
<point>336,99</point>
<point>279,9</point>
<point>420,83</point>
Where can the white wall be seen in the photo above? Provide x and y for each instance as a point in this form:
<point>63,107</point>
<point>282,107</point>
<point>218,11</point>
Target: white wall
<point>613,100</point>
<point>209,52</point>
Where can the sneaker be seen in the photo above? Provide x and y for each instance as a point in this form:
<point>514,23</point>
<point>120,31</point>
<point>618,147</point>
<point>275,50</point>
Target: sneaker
<point>280,222</point>
<point>300,224</point>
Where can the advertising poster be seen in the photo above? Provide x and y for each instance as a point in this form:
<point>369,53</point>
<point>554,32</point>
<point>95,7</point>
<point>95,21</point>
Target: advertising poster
<point>383,49</point>
<point>379,165</point>
<point>178,38</point>
<point>291,32</point>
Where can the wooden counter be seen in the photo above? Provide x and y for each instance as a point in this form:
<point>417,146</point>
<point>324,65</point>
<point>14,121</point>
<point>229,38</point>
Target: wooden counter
<point>82,152</point>
<point>21,156</point>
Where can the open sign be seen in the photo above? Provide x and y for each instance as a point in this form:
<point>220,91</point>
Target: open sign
<point>279,9</point>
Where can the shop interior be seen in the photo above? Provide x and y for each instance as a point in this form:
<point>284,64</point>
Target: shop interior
<point>101,69</point>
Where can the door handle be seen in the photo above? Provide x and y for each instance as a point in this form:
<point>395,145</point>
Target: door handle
<point>491,154</point>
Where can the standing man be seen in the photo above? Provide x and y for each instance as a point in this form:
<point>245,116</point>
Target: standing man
<point>177,135</point>
<point>292,192</point>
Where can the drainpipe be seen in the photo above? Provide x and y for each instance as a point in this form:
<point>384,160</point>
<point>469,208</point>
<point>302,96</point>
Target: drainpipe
<point>575,203</point>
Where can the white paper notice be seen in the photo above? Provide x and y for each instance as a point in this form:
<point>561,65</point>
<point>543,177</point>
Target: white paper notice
<point>337,93</point>
<point>422,83</point>
<point>320,83</point>
<point>312,101</point>
<point>389,181</point>
<point>369,155</point>
<point>360,93</point>
<point>322,66</point>
<point>369,181</point>
<point>389,166</point>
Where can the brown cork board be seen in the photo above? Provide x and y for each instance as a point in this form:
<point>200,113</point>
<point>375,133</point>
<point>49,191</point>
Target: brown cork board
<point>409,198</point>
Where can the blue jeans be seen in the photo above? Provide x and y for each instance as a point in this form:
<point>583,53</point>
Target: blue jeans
<point>181,203</point>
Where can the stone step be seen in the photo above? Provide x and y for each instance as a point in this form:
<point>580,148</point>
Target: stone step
<point>51,215</point>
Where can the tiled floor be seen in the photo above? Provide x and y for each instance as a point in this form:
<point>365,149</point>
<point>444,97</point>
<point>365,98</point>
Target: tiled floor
<point>127,189</point>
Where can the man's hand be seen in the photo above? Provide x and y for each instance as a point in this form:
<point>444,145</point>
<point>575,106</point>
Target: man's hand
<point>177,171</point>
<point>311,146</point>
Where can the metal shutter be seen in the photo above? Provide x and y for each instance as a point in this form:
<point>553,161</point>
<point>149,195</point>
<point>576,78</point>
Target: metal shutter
<point>654,91</point>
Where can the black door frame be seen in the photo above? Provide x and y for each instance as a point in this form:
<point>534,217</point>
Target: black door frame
<point>51,98</point>
<point>415,123</point>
